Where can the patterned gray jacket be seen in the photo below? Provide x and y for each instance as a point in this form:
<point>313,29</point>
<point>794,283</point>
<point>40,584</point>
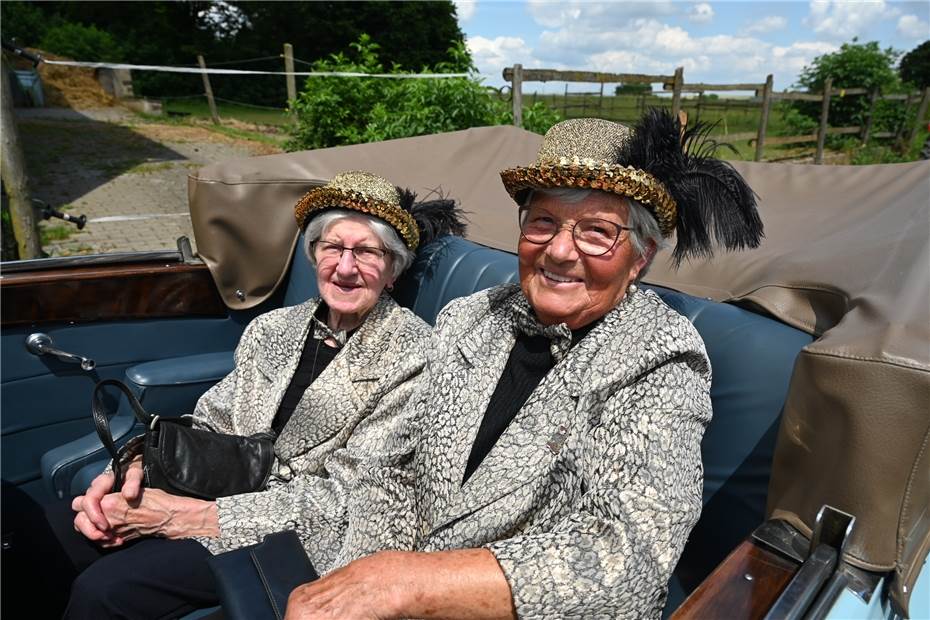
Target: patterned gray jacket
<point>587,498</point>
<point>341,419</point>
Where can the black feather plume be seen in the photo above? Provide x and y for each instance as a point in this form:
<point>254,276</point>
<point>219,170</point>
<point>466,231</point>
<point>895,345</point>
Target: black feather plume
<point>435,218</point>
<point>714,201</point>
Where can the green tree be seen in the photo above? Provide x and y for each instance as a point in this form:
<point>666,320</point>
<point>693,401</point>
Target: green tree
<point>410,34</point>
<point>856,64</point>
<point>81,42</point>
<point>635,88</point>
<point>23,22</point>
<point>915,66</point>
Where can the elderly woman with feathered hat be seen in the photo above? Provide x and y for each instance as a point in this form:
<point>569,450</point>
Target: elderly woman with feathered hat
<point>329,377</point>
<point>555,470</point>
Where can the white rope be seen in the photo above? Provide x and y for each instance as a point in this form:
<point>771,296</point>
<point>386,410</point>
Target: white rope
<point>166,69</point>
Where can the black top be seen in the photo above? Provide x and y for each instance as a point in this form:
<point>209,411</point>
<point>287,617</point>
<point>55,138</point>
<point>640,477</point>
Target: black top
<point>529,361</point>
<point>314,359</point>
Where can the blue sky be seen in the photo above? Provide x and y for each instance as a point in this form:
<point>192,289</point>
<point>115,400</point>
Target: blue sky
<point>715,42</point>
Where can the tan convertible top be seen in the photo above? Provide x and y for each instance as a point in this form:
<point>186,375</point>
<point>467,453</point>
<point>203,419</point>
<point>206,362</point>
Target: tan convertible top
<point>846,258</point>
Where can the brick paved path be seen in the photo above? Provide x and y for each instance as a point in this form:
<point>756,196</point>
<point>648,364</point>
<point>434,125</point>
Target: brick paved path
<point>128,176</point>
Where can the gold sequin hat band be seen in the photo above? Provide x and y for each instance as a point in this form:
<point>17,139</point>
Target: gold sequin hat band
<point>588,153</point>
<point>364,192</point>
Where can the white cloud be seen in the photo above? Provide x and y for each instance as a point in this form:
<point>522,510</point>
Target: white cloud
<point>465,9</point>
<point>492,55</point>
<point>790,60</point>
<point>634,38</point>
<point>595,15</point>
<point>843,19</point>
<point>701,13</point>
<point>766,24</point>
<point>913,27</point>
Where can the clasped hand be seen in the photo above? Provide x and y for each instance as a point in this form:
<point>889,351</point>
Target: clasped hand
<point>111,519</point>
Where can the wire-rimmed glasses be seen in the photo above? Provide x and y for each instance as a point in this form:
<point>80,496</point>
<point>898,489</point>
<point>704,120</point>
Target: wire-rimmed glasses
<point>364,254</point>
<point>593,236</point>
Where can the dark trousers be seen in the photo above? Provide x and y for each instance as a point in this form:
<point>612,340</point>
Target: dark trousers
<point>152,578</point>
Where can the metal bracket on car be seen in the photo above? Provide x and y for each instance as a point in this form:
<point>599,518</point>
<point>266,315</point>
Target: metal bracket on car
<point>782,537</point>
<point>186,252</point>
<point>818,583</point>
<point>41,344</point>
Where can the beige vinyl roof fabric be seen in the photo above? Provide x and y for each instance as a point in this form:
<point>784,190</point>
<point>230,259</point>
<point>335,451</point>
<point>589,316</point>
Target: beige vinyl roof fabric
<point>846,257</point>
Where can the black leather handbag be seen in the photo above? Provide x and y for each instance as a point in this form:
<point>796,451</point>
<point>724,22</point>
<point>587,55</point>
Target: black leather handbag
<point>183,460</point>
<point>255,582</point>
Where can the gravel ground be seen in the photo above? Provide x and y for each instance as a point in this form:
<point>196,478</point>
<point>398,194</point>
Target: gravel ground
<point>126,174</point>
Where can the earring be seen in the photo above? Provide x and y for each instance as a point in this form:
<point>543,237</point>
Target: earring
<point>632,288</point>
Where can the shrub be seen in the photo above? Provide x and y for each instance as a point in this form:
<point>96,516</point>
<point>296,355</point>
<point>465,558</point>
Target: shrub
<point>794,123</point>
<point>81,43</point>
<point>419,107</point>
<point>537,118</point>
<point>332,111</point>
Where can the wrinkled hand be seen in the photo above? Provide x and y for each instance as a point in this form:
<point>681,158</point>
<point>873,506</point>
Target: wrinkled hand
<point>153,513</point>
<point>364,589</point>
<point>91,520</point>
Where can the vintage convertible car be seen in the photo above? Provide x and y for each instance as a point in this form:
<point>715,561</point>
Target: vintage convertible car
<point>817,463</point>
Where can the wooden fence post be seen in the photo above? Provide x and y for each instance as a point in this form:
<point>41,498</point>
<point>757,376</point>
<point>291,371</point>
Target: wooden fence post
<point>764,119</point>
<point>824,115</point>
<point>901,131</point>
<point>676,90</point>
<point>516,91</point>
<point>921,114</point>
<point>697,111</point>
<point>289,67</point>
<point>208,90</point>
<point>13,172</point>
<point>867,128</point>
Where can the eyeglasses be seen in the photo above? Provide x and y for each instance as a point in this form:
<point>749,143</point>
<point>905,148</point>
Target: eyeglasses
<point>592,235</point>
<point>364,254</point>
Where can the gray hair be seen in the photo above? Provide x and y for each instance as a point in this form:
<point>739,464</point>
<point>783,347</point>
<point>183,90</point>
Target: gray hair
<point>403,257</point>
<point>645,227</point>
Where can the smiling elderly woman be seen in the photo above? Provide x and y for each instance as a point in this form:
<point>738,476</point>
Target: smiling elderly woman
<point>329,376</point>
<point>555,470</point>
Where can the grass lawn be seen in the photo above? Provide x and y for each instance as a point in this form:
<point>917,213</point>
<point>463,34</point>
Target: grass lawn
<point>198,108</point>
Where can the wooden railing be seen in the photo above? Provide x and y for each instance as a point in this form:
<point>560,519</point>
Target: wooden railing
<point>764,97</point>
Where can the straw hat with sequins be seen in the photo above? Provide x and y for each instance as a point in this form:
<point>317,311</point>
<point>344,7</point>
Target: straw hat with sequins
<point>417,223</point>
<point>669,170</point>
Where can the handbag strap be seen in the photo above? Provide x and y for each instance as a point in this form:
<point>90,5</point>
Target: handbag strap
<point>102,422</point>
